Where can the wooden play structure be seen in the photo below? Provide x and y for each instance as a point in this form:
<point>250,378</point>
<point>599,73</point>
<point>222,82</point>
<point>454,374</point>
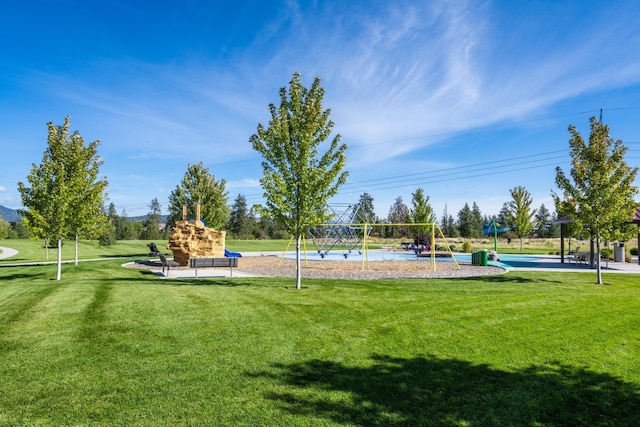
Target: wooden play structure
<point>190,238</point>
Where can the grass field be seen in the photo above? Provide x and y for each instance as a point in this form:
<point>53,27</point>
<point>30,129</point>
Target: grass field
<point>113,346</point>
<point>33,251</point>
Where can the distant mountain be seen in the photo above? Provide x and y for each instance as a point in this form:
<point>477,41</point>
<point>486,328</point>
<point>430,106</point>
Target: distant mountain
<point>163,218</point>
<point>9,215</point>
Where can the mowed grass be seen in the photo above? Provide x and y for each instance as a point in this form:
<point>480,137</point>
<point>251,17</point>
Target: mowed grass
<point>30,251</point>
<point>113,346</point>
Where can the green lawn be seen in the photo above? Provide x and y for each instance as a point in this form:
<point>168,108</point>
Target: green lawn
<point>34,251</point>
<point>113,346</point>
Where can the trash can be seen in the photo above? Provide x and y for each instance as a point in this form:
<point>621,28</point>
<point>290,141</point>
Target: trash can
<point>484,257</point>
<point>480,257</point>
<point>618,252</point>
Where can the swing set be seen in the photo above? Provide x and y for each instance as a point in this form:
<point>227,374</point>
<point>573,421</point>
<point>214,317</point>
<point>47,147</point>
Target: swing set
<point>351,236</point>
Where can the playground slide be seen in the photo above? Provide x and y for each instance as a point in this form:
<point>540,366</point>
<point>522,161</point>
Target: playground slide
<point>230,254</point>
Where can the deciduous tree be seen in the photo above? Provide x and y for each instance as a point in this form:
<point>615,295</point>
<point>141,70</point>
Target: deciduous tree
<point>87,191</point>
<point>599,189</point>
<point>298,181</point>
<point>4,228</point>
<point>65,196</point>
<point>520,213</point>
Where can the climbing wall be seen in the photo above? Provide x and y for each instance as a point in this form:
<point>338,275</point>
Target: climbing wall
<point>191,239</point>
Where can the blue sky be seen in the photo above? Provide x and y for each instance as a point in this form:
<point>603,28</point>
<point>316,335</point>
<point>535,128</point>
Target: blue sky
<point>463,99</point>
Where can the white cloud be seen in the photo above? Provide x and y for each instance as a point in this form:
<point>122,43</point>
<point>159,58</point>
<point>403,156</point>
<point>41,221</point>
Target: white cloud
<point>243,183</point>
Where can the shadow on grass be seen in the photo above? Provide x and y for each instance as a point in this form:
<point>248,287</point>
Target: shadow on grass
<point>210,281</point>
<point>448,392</point>
<point>23,276</point>
<point>509,278</point>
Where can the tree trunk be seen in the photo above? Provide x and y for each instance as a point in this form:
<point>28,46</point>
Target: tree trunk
<point>58,274</point>
<point>298,275</point>
<point>599,271</point>
<point>46,248</point>
<point>76,250</point>
<point>521,245</point>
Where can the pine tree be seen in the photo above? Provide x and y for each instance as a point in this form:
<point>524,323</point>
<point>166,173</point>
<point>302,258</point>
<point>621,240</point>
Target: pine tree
<point>199,186</point>
<point>421,212</point>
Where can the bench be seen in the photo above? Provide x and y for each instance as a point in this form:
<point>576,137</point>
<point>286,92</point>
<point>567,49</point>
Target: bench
<point>213,262</point>
<point>153,249</point>
<point>167,263</point>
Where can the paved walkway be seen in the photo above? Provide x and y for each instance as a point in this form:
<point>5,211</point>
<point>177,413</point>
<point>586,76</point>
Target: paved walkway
<point>7,252</point>
<point>552,262</point>
<point>511,262</point>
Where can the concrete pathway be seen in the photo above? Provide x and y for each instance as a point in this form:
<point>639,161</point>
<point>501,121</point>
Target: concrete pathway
<point>525,263</point>
<point>7,252</point>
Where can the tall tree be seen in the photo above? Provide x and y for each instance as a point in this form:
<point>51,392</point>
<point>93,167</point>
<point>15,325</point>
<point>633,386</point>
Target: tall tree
<point>503,215</point>
<point>421,211</point>
<point>240,222</point>
<point>444,222</point>
<point>65,197</point>
<point>398,214</point>
<point>124,229</point>
<point>297,183</point>
<point>476,221</point>
<point>87,191</point>
<point>451,227</point>
<point>520,212</point>
<point>600,187</point>
<point>366,212</point>
<point>465,221</point>
<point>543,221</point>
<point>110,237</point>
<point>151,225</point>
<point>199,186</point>
<point>4,228</point>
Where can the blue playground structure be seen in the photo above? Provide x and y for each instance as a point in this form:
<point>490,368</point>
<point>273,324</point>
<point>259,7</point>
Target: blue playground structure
<point>230,254</point>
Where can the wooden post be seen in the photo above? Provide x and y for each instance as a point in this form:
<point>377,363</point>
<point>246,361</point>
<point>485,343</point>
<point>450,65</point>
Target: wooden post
<point>197,212</point>
<point>184,212</point>
<point>562,227</point>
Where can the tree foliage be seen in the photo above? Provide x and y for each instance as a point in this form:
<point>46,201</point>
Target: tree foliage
<point>65,196</point>
<point>599,190</point>
<point>87,191</point>
<point>366,212</point>
<point>240,222</point>
<point>109,237</point>
<point>151,225</point>
<point>520,216</point>
<point>199,186</point>
<point>398,214</point>
<point>470,221</point>
<point>298,181</point>
<point>421,211</point>
<point>4,228</point>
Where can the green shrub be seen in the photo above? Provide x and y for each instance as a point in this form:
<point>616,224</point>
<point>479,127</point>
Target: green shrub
<point>466,246</point>
<point>633,251</point>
